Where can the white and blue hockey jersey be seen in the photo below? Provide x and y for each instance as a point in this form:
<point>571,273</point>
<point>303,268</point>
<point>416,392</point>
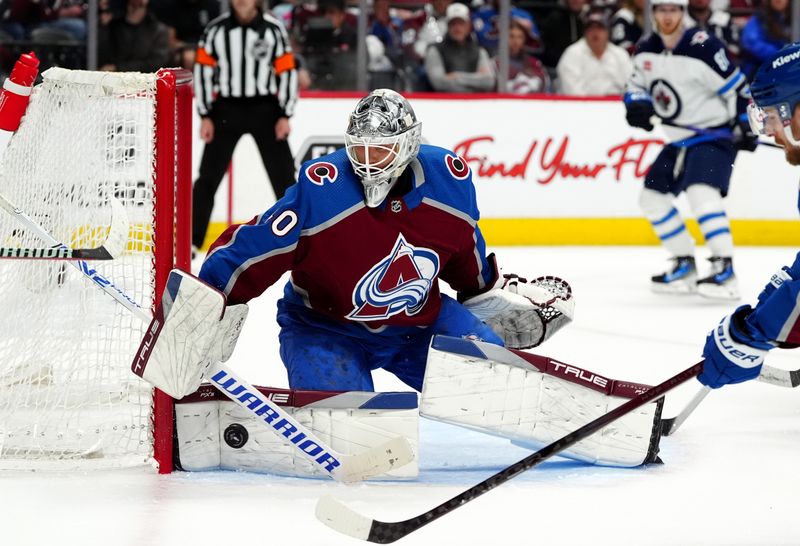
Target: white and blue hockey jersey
<point>694,84</point>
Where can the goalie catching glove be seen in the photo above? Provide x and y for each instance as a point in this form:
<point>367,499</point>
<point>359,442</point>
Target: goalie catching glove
<point>524,313</point>
<point>192,329</point>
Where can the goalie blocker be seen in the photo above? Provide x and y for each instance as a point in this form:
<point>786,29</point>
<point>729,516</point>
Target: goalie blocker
<point>533,400</point>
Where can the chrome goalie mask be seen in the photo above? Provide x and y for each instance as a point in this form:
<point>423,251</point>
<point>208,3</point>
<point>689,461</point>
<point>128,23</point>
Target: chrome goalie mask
<point>382,138</point>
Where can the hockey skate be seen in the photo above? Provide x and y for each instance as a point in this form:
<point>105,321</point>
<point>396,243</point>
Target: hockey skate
<point>721,284</point>
<point>681,279</point>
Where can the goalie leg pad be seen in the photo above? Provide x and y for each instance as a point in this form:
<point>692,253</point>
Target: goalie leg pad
<point>191,329</point>
<point>534,401</point>
<point>214,433</point>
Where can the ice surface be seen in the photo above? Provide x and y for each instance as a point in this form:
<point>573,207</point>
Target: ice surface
<point>730,476</point>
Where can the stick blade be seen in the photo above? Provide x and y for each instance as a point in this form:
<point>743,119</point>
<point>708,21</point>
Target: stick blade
<point>375,461</point>
<point>117,241</point>
<point>782,378</point>
<point>340,518</point>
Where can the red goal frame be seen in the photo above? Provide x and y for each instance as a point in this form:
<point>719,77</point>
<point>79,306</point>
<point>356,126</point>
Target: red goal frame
<point>173,214</point>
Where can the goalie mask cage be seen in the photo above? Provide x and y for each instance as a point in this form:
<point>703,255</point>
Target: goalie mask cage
<point>67,396</point>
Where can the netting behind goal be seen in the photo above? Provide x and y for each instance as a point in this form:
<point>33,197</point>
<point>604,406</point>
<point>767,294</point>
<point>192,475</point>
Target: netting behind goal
<point>67,396</point>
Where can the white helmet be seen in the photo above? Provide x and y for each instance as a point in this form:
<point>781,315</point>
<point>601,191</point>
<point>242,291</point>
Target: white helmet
<point>680,3</point>
<point>382,123</point>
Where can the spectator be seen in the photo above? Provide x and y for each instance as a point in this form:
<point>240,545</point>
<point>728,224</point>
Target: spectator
<point>593,65</point>
<point>526,74</point>
<point>627,25</point>
<point>484,22</point>
<point>384,47</point>
<point>239,91</point>
<point>386,28</point>
<point>329,45</point>
<point>106,14</point>
<point>186,20</point>
<point>134,42</point>
<point>764,34</point>
<point>458,64</point>
<point>716,22</point>
<point>421,30</point>
<point>562,28</point>
<point>18,17</point>
<point>69,16</point>
<point>434,28</point>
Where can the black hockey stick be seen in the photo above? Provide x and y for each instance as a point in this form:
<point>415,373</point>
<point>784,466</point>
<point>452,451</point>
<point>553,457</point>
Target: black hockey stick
<point>716,133</point>
<point>114,245</point>
<point>669,426</point>
<point>339,517</point>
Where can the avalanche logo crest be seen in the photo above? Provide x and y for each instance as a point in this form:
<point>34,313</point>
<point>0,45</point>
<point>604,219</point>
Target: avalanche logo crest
<point>398,283</point>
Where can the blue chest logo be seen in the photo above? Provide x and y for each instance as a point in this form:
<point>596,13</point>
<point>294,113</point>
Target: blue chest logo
<point>398,283</point>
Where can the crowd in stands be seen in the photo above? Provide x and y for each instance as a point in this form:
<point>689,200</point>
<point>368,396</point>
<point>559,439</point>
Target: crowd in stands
<point>575,47</point>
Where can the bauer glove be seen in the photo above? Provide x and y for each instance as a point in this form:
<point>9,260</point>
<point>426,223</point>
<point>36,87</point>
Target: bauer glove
<point>734,351</point>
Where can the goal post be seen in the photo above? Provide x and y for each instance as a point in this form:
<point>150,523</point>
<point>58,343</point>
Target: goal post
<point>67,396</point>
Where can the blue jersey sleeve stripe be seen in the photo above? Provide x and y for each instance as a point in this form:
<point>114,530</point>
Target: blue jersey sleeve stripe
<point>732,83</point>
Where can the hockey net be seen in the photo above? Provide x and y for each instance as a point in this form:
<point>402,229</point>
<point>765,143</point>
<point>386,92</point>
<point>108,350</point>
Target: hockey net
<point>67,396</point>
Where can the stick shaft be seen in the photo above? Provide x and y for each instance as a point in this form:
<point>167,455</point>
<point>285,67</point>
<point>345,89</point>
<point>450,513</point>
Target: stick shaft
<point>382,532</point>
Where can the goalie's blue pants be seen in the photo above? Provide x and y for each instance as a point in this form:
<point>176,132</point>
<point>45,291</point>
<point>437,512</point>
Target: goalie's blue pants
<point>320,354</point>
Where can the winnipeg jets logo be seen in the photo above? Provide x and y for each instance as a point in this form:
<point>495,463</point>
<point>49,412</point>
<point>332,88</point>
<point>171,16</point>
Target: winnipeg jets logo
<point>398,283</point>
<point>666,100</point>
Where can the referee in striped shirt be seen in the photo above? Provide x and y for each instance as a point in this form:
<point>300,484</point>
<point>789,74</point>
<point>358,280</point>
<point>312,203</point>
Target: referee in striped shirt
<point>245,82</point>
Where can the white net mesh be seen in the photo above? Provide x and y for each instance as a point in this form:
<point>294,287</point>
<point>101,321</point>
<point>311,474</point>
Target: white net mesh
<point>67,396</point>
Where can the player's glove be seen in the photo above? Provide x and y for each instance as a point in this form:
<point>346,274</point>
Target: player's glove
<point>734,351</point>
<point>787,273</point>
<point>639,109</point>
<point>743,136</point>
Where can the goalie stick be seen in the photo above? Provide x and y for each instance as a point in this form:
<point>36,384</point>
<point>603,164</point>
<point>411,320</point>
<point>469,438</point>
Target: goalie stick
<point>114,245</point>
<point>346,468</point>
<point>339,517</point>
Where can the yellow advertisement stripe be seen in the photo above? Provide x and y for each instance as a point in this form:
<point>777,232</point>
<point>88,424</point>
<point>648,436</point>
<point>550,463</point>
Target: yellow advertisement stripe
<point>605,231</point>
<point>624,231</point>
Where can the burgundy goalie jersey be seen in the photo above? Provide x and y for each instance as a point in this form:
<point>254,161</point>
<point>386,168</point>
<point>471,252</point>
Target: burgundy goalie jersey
<point>376,266</point>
